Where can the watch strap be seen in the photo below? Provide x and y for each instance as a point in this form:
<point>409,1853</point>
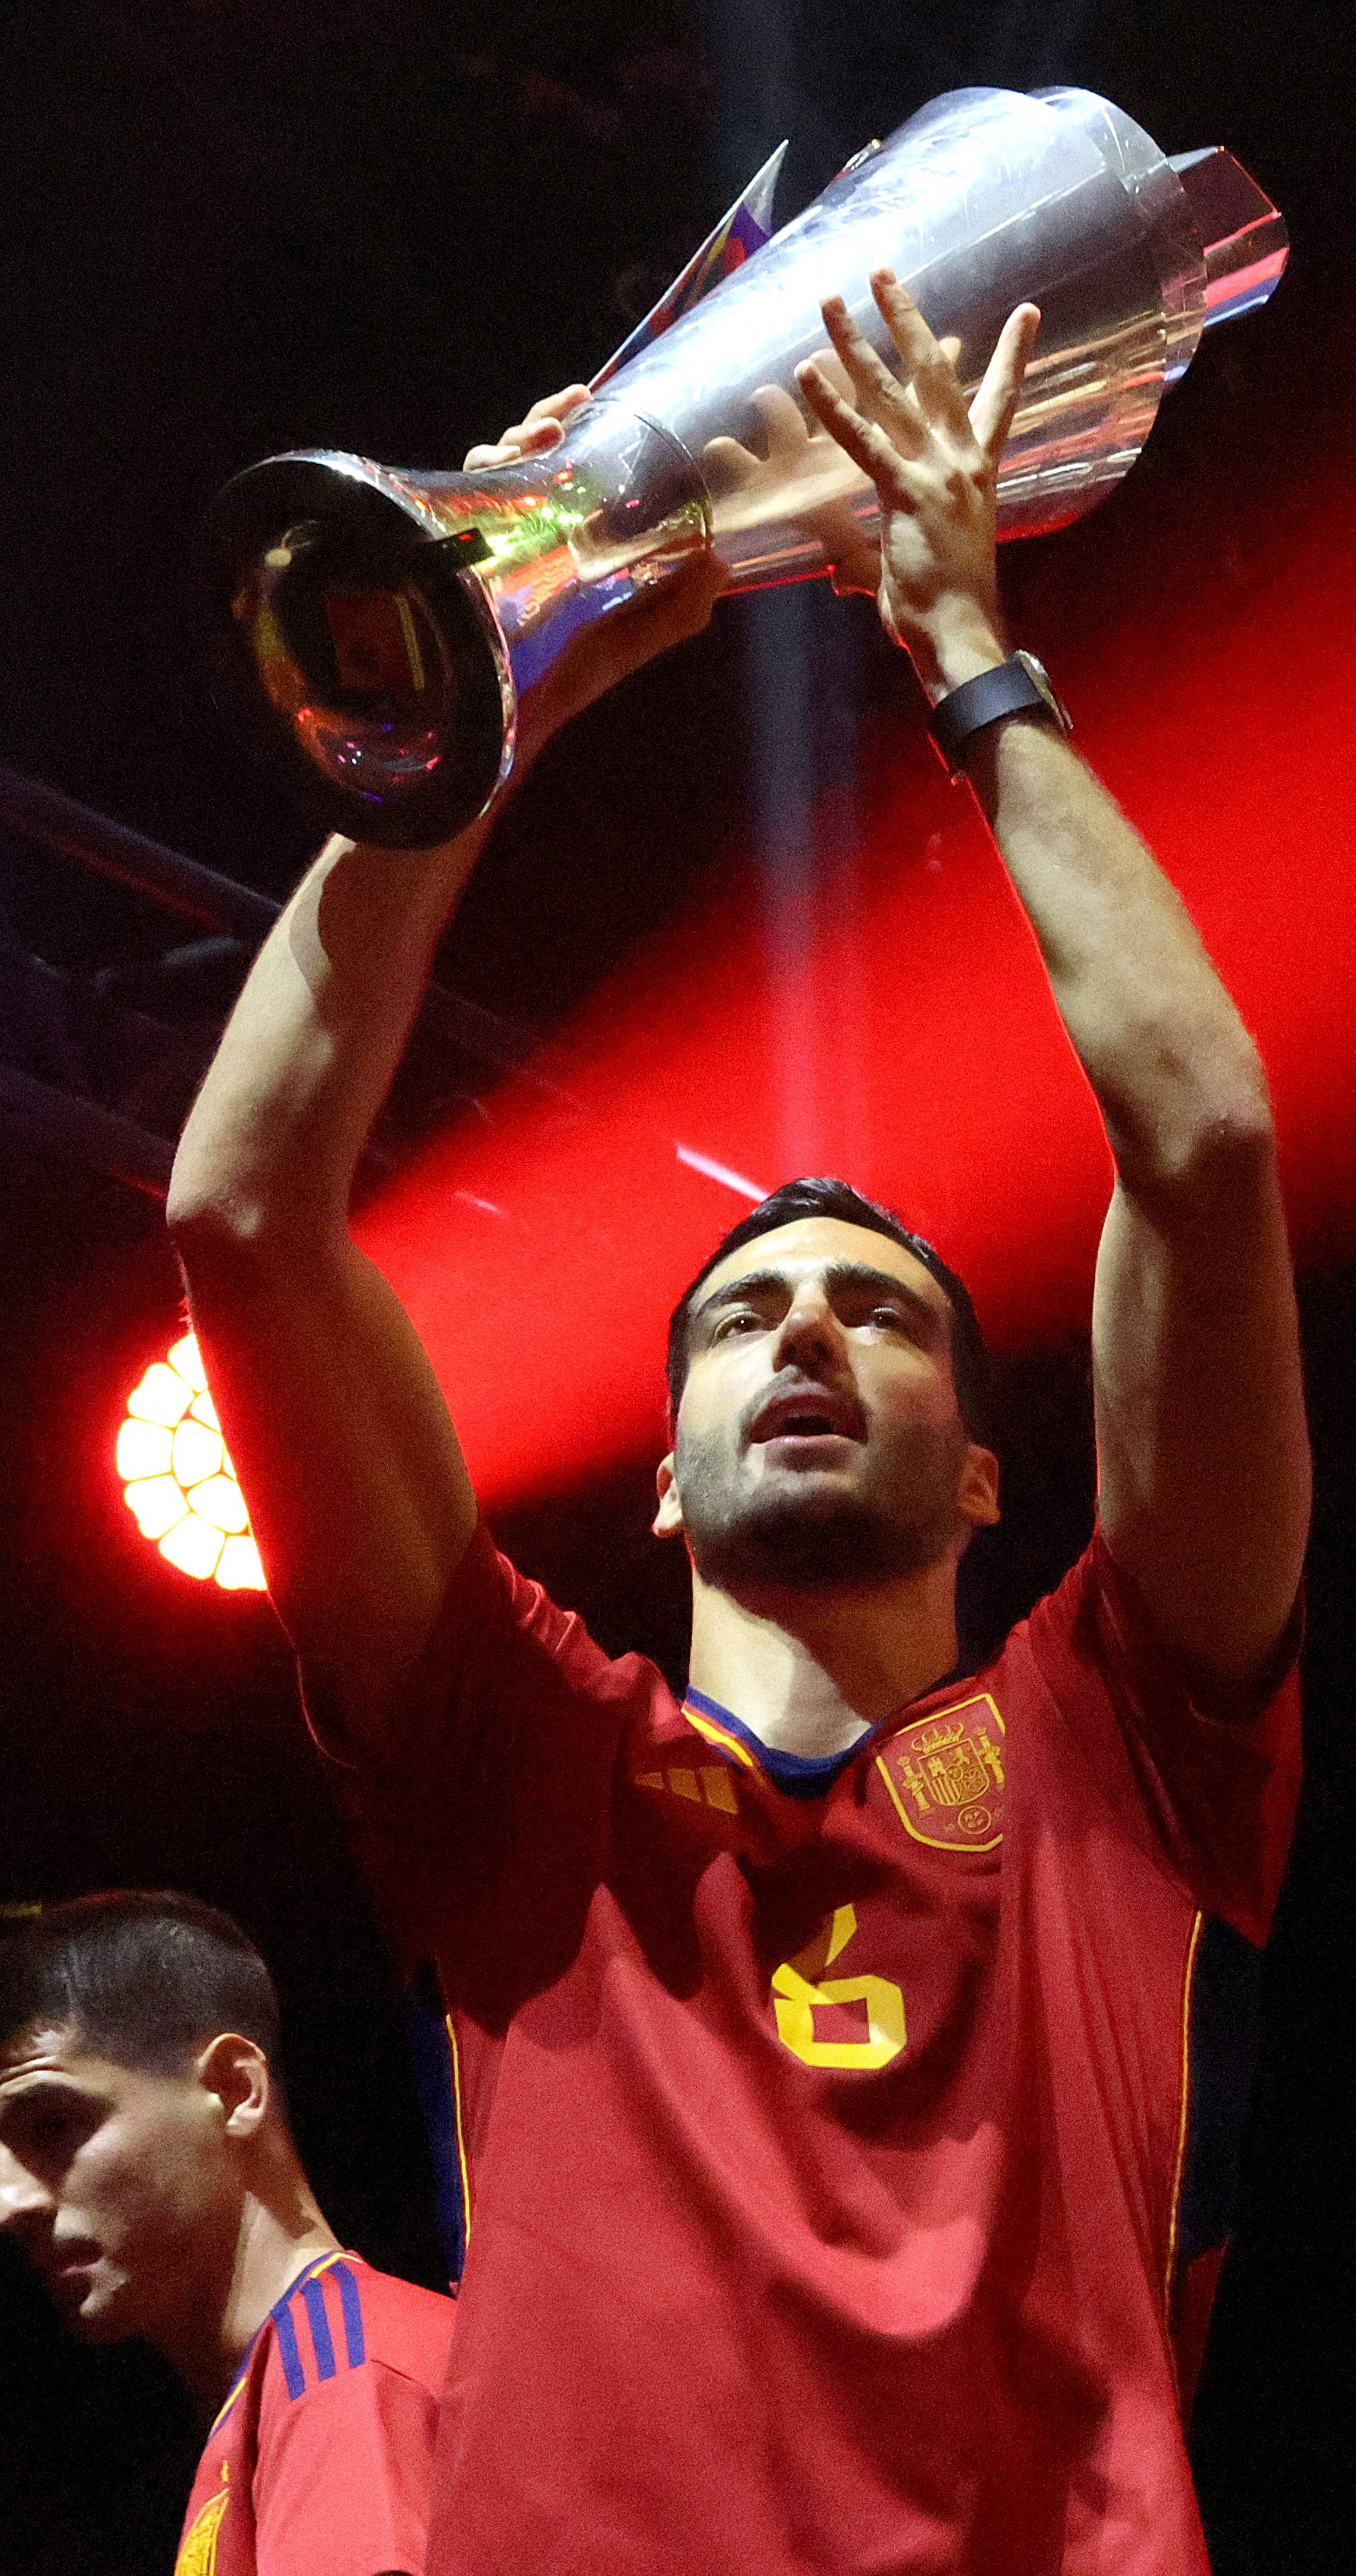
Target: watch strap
<point>1008,690</point>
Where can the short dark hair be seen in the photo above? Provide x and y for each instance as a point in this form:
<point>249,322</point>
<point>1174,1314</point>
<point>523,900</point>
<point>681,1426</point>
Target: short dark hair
<point>827,1197</point>
<point>143,1977</point>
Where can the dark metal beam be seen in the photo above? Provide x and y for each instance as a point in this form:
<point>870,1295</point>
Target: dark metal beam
<point>70,1129</point>
<point>55,821</point>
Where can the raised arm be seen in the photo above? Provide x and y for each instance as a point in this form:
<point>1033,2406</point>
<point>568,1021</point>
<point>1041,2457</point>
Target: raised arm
<point>335,1421</point>
<point>336,1424</point>
<point>1203,1451</point>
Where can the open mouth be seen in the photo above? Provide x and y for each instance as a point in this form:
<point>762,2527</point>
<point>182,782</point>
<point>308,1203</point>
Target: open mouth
<point>806,1414</point>
<point>66,2263</point>
<point>806,1426</point>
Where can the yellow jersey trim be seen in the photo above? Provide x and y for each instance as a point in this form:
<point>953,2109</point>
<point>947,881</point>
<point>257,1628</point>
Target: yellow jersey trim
<point>463,2160</point>
<point>1183,2113</point>
<point>227,2408</point>
<point>718,1735</point>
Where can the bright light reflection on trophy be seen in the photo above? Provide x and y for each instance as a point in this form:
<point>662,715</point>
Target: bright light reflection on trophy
<point>392,623</point>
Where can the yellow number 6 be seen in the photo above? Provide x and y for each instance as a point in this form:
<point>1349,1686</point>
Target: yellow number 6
<point>799,1985</point>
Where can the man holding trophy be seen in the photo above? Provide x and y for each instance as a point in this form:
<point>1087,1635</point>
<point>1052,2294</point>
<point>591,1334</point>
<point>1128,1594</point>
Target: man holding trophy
<point>821,2044</point>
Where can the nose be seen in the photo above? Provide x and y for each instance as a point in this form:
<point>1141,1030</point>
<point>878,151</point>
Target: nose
<point>809,1335</point>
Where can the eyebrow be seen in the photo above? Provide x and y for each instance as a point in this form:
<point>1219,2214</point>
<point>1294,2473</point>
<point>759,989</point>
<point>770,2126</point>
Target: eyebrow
<point>22,2089</point>
<point>839,1274</point>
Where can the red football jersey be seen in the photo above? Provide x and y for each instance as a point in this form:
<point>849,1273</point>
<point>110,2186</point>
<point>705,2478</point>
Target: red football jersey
<point>823,2123</point>
<point>319,2462</point>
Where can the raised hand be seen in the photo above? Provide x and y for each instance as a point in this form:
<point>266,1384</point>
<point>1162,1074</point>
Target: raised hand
<point>800,478</point>
<point>934,463</point>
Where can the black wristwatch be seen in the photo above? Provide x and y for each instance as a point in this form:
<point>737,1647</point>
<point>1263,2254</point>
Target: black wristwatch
<point>1014,686</point>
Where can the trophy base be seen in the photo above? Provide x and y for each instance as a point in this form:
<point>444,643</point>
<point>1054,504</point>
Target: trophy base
<point>378,660</point>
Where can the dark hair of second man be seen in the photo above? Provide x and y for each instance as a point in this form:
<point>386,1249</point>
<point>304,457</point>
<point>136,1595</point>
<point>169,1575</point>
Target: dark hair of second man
<point>143,1978</point>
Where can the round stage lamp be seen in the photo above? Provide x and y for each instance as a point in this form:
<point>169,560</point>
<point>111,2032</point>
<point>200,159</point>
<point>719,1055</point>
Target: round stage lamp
<point>178,1481</point>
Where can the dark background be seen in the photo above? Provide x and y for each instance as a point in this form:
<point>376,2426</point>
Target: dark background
<point>227,229</point>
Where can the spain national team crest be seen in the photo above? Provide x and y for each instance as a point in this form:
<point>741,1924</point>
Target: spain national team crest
<point>945,1775</point>
<point>198,2549</point>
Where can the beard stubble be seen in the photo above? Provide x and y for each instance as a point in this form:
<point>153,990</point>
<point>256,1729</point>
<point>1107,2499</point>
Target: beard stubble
<point>806,1532</point>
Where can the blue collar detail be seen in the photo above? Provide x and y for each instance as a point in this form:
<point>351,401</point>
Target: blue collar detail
<point>797,1775</point>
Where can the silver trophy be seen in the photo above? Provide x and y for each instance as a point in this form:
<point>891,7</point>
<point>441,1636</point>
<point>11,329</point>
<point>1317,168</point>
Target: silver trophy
<point>389,625</point>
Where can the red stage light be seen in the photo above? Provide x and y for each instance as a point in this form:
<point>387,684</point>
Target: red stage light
<point>178,1480</point>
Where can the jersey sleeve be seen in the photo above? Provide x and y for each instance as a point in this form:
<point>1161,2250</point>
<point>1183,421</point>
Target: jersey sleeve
<point>1215,1782</point>
<point>482,1823</point>
<point>343,2476</point>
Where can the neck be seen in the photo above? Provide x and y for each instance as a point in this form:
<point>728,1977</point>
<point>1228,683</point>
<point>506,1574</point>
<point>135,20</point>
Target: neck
<point>281,2230</point>
<point>809,1672</point>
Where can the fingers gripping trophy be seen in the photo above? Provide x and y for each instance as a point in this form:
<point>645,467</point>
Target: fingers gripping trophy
<point>1001,291</point>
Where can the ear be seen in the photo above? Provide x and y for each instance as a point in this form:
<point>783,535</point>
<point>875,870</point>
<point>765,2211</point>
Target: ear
<point>977,1497</point>
<point>668,1519</point>
<point>236,2071</point>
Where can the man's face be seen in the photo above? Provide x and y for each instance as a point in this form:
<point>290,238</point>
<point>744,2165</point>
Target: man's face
<point>116,2183</point>
<point>819,1441</point>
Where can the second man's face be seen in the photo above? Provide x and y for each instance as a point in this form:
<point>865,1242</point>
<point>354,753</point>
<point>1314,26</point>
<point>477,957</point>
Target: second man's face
<point>114,2183</point>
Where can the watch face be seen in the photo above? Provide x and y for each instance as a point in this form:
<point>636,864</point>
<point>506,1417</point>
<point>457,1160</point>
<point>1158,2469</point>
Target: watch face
<point>1036,672</point>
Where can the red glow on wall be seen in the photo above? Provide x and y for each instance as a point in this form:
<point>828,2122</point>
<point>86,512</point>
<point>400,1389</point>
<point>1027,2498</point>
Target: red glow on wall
<point>907,1040</point>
